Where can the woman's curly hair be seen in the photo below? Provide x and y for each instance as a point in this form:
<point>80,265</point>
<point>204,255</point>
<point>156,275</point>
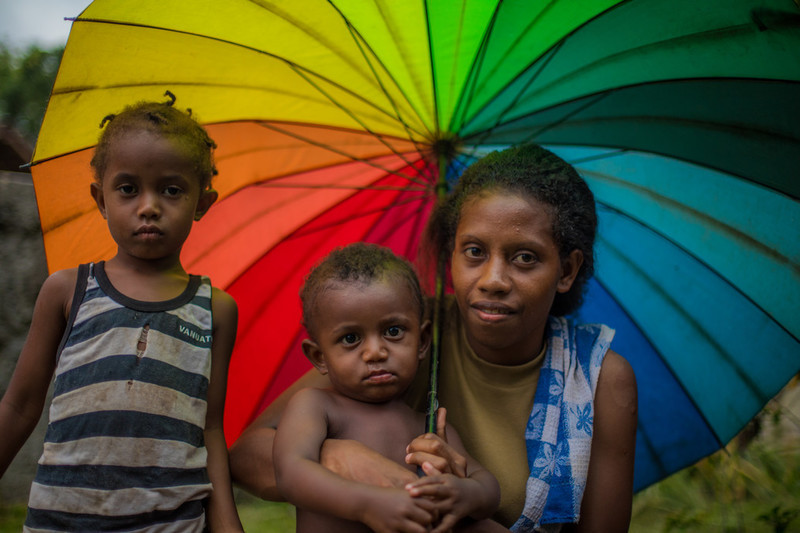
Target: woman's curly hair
<point>540,174</point>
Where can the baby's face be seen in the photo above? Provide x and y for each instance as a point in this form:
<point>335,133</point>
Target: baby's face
<point>369,335</point>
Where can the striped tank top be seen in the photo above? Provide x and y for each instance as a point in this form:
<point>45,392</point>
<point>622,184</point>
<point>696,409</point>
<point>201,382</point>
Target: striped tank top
<point>124,449</point>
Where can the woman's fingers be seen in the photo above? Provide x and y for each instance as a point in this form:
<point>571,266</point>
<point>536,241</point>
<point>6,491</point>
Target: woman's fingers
<point>441,423</point>
<point>441,456</point>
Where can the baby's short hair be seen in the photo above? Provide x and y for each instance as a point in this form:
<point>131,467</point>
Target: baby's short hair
<point>361,263</point>
<point>162,118</point>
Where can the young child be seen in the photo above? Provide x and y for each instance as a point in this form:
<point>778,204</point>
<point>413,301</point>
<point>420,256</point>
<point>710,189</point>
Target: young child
<point>139,348</point>
<point>363,311</point>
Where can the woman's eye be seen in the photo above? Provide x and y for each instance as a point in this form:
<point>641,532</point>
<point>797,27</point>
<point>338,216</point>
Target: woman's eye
<point>349,339</point>
<point>525,258</point>
<point>473,251</point>
<point>394,332</point>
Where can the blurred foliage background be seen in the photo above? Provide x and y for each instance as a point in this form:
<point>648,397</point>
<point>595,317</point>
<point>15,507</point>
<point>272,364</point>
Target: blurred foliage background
<point>26,78</point>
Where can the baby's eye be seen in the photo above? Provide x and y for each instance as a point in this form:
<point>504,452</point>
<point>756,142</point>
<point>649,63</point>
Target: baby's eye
<point>394,332</point>
<point>173,190</point>
<point>349,339</point>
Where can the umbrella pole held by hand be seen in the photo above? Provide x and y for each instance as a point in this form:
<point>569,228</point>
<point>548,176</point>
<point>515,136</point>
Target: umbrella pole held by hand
<point>432,405</point>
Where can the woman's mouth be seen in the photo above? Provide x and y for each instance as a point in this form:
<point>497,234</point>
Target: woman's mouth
<point>492,312</point>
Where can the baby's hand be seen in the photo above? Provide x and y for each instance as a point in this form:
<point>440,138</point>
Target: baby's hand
<point>395,510</point>
<point>454,497</point>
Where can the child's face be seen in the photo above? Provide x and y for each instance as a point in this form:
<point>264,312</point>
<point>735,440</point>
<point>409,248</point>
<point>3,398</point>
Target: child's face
<point>150,195</point>
<point>369,338</point>
<point>506,271</point>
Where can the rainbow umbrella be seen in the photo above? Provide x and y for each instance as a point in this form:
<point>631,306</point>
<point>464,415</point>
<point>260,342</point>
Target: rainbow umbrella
<point>338,120</point>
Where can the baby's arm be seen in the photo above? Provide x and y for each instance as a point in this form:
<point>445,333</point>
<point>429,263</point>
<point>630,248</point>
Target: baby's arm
<point>222,514</point>
<point>308,485</point>
<point>469,490</point>
<point>22,405</point>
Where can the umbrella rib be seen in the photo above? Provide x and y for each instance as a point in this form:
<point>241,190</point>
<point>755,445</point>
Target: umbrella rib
<point>433,70</point>
<point>516,42</point>
<point>680,310</point>
<point>356,216</point>
<point>360,42</point>
<point>272,184</point>
<point>294,66</point>
<point>345,110</point>
<point>468,89</point>
<point>643,437</point>
<point>299,137</point>
<point>660,355</point>
<point>706,220</point>
<point>648,443</point>
<point>731,30</point>
<point>700,261</point>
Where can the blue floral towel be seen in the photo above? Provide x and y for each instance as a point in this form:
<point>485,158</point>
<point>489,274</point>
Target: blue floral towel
<point>559,432</point>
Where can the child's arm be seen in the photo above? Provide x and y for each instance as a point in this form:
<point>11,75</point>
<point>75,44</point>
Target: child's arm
<point>469,491</point>
<point>308,485</point>
<point>22,405</point>
<point>222,514</point>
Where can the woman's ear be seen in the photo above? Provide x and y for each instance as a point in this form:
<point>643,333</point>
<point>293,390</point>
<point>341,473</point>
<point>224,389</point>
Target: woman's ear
<point>207,199</point>
<point>96,190</point>
<point>425,334</point>
<point>314,354</point>
<point>570,266</point>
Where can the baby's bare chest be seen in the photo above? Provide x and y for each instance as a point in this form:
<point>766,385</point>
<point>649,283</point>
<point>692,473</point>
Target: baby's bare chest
<point>387,431</point>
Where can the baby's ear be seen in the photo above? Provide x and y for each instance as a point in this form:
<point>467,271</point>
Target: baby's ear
<point>425,333</point>
<point>207,199</point>
<point>314,354</point>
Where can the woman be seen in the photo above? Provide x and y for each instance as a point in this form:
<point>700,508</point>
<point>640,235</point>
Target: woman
<point>533,396</point>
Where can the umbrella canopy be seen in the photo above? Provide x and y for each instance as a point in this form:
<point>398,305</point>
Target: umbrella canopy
<point>335,120</point>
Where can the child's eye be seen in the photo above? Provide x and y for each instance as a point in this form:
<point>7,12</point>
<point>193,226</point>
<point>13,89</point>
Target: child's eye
<point>127,189</point>
<point>349,339</point>
<point>394,332</point>
<point>173,190</point>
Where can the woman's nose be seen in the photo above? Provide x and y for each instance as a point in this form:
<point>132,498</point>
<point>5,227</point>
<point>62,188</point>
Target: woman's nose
<point>494,276</point>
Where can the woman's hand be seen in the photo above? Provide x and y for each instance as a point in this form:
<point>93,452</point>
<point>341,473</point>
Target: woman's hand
<point>354,461</point>
<point>434,454</point>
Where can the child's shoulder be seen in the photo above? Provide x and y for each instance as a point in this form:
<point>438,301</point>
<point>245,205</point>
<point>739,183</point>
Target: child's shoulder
<point>223,306</point>
<point>58,290</point>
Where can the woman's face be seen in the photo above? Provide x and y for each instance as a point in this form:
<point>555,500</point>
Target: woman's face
<point>506,271</point>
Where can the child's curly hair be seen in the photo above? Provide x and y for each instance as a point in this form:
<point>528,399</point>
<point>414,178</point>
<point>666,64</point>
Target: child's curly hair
<point>361,263</point>
<point>540,174</point>
<point>162,118</point>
